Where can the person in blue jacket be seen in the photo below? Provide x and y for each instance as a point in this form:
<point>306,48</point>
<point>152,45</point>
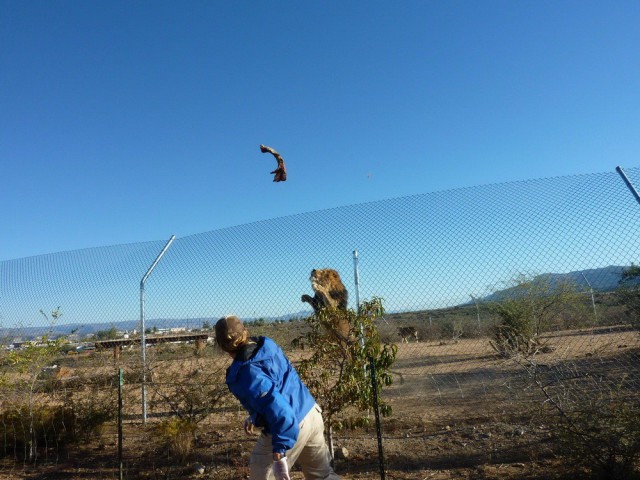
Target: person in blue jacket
<point>267,385</point>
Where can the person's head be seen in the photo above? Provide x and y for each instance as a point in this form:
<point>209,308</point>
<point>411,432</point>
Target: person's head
<point>231,334</point>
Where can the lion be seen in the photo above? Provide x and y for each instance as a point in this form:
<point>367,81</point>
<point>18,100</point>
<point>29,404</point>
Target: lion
<point>329,293</point>
<point>328,288</point>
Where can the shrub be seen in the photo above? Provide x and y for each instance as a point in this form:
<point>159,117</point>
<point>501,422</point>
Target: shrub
<point>31,431</point>
<point>596,422</point>
<point>178,437</point>
<point>529,308</point>
<point>603,436</point>
<point>630,293</point>
<point>192,396</point>
<point>338,370</point>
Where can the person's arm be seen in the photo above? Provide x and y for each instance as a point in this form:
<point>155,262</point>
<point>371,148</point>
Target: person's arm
<point>281,419</point>
<point>261,396</point>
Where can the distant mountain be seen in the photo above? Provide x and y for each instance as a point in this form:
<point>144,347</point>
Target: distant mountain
<point>606,279</point>
<point>129,325</point>
<point>90,328</point>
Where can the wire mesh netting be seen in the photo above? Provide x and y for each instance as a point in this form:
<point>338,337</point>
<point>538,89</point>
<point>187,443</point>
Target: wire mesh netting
<point>498,297</point>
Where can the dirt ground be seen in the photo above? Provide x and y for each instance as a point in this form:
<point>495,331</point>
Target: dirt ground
<point>469,451</point>
<point>460,412</point>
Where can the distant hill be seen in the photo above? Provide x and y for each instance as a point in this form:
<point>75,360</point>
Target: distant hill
<point>602,280</point>
<point>128,326</point>
<point>606,279</point>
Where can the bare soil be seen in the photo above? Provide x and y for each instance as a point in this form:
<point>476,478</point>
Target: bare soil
<point>460,412</point>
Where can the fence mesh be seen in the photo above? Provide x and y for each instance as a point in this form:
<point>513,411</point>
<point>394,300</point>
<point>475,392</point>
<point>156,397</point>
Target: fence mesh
<point>446,264</point>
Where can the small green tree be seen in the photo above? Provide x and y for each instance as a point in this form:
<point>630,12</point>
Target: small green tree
<point>630,293</point>
<point>529,308</point>
<point>338,370</point>
<point>110,334</point>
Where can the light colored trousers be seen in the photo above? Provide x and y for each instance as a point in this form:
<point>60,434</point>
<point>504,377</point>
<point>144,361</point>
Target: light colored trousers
<point>310,451</point>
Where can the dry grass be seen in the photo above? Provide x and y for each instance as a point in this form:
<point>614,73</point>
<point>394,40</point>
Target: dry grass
<point>460,411</point>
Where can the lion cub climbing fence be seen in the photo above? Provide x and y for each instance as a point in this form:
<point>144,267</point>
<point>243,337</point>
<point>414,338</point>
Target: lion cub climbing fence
<point>492,294</point>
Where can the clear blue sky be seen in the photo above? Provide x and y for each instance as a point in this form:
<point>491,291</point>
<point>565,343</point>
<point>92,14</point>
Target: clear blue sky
<point>125,121</point>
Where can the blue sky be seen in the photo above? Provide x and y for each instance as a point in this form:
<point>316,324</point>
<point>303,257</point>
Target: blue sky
<point>125,122</point>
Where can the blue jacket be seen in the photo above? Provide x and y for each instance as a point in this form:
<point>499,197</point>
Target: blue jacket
<point>269,388</point>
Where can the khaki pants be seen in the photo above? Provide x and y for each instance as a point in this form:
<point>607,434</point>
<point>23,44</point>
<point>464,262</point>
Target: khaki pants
<point>310,451</point>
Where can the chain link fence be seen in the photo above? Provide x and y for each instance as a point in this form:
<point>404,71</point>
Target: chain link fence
<point>448,266</point>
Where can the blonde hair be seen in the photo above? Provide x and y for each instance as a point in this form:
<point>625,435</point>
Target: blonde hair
<point>231,333</point>
<point>235,341</point>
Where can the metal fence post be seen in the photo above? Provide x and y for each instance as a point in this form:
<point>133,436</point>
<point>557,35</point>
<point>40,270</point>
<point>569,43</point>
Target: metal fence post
<point>143,339</point>
<point>593,300</point>
<point>120,383</point>
<point>356,275</point>
<point>372,368</point>
<point>374,384</point>
<point>629,184</point>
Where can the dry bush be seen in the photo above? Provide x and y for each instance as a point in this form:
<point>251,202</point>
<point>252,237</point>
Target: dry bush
<point>178,437</point>
<point>529,308</point>
<point>629,293</point>
<point>43,428</point>
<point>603,435</point>
<point>188,389</point>
<point>596,421</point>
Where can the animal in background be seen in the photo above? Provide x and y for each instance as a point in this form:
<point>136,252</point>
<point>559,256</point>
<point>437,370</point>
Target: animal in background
<point>408,332</point>
<point>281,171</point>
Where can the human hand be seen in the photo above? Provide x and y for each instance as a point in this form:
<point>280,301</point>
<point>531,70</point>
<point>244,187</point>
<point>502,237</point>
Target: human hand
<point>248,427</point>
<point>281,469</point>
